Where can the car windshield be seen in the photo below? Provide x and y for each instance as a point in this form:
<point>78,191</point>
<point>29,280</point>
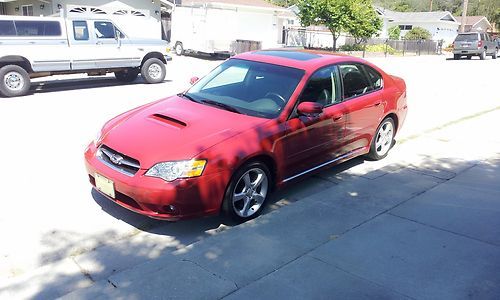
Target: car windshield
<point>466,37</point>
<point>247,87</point>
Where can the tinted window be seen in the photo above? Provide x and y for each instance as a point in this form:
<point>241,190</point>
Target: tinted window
<point>80,30</point>
<point>355,82</point>
<point>323,87</point>
<point>38,28</point>
<point>374,77</point>
<point>467,37</point>
<point>7,28</point>
<point>104,30</point>
<point>252,88</point>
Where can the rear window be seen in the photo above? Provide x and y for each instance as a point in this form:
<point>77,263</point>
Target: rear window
<point>38,28</point>
<point>7,28</point>
<point>467,37</point>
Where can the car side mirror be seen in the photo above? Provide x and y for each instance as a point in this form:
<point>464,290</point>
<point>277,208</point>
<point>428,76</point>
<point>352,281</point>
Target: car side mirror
<point>193,80</point>
<point>309,108</point>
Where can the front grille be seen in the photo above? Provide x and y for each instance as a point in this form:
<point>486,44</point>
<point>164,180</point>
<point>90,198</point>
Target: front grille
<point>118,161</point>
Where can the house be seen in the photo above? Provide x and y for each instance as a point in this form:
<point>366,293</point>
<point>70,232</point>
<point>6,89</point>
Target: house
<point>138,18</point>
<point>441,24</point>
<point>476,23</point>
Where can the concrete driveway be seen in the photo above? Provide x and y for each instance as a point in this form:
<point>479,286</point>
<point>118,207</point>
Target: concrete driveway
<point>60,236</point>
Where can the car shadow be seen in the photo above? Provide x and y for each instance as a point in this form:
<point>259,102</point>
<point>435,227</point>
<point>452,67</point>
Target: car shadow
<point>207,56</point>
<point>61,85</point>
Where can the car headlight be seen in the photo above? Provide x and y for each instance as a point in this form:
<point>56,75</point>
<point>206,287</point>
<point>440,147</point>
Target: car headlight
<point>172,170</point>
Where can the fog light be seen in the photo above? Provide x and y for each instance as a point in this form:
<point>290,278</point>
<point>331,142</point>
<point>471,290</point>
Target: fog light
<point>169,208</point>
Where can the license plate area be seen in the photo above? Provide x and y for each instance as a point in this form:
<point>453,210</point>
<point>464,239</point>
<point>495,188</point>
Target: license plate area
<point>105,185</point>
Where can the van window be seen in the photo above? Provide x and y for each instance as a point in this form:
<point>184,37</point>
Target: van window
<point>80,30</point>
<point>38,28</point>
<point>7,28</point>
<point>104,30</point>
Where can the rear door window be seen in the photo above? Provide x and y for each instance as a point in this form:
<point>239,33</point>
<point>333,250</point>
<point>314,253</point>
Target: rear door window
<point>354,81</point>
<point>7,28</point>
<point>38,28</point>
<point>374,77</point>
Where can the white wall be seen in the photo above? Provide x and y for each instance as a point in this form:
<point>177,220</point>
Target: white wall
<point>10,7</point>
<point>446,31</point>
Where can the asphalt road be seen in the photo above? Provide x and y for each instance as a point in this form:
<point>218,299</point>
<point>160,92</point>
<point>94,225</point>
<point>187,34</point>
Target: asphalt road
<point>49,213</point>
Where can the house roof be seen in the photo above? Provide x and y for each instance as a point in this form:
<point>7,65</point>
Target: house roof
<point>425,16</point>
<point>473,20</point>
<point>251,3</point>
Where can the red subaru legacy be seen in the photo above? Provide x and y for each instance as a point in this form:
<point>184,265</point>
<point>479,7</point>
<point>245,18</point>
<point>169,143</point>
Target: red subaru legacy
<point>258,121</point>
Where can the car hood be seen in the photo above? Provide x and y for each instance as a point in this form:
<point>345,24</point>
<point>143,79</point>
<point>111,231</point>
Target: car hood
<point>174,129</point>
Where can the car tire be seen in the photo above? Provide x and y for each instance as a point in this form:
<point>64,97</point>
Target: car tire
<point>179,49</point>
<point>456,56</point>
<point>495,54</point>
<point>247,192</point>
<point>469,56</point>
<point>482,56</point>
<point>383,139</point>
<point>128,75</point>
<point>153,70</point>
<point>14,81</point>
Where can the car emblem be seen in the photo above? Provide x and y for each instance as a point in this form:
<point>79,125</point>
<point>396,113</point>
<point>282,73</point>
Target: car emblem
<point>116,159</point>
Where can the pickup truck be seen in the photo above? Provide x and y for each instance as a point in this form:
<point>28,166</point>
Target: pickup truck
<point>32,47</point>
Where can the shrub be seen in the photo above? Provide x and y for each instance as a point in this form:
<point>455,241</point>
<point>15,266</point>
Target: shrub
<point>418,33</point>
<point>380,48</point>
<point>352,47</point>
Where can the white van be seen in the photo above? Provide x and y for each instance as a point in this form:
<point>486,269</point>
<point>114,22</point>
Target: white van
<point>33,47</point>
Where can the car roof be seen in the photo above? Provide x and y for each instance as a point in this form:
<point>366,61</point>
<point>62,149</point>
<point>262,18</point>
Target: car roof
<point>308,60</point>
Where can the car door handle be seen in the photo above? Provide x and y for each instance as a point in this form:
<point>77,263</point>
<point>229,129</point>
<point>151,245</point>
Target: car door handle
<point>377,103</point>
<point>337,118</point>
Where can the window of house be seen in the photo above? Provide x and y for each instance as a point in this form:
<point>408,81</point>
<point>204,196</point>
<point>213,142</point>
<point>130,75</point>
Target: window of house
<point>355,82</point>
<point>405,27</point>
<point>80,30</point>
<point>38,28</point>
<point>323,87</point>
<point>27,10</point>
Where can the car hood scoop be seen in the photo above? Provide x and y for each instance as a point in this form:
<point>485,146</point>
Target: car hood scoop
<point>175,129</point>
<point>168,120</point>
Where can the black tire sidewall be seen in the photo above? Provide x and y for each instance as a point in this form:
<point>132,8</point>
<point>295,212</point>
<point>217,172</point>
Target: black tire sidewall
<point>145,67</point>
<point>373,151</point>
<point>227,205</point>
<point>6,92</point>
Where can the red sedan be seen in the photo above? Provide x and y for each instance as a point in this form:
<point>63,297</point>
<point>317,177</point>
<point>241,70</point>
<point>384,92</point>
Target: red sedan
<point>258,121</point>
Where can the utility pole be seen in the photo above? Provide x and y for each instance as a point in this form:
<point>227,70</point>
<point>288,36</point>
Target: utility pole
<point>430,6</point>
<point>464,16</point>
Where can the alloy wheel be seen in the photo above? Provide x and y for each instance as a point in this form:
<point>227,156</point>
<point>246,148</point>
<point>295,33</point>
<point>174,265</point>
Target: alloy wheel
<point>384,138</point>
<point>250,192</point>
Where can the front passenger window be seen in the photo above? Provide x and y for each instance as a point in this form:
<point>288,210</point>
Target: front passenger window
<point>104,30</point>
<point>80,30</point>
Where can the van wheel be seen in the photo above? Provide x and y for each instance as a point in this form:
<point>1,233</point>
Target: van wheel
<point>247,192</point>
<point>482,56</point>
<point>15,81</point>
<point>179,49</point>
<point>153,70</point>
<point>127,75</point>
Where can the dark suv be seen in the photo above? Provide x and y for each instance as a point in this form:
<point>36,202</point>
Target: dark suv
<point>474,44</point>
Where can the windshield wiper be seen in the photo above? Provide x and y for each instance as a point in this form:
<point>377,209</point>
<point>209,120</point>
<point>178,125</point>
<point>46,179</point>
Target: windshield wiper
<point>222,105</point>
<point>187,97</point>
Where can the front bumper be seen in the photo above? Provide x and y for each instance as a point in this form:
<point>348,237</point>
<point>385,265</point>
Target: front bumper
<point>156,198</point>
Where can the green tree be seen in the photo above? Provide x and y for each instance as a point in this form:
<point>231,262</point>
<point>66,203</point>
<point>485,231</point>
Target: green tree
<point>418,33</point>
<point>402,5</point>
<point>354,16</point>
<point>394,32</point>
<point>365,22</point>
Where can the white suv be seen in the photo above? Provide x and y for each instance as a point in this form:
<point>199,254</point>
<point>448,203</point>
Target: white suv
<point>33,47</point>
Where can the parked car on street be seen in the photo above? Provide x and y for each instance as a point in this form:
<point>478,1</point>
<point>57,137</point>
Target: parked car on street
<point>258,121</point>
<point>474,44</point>
<point>32,47</point>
